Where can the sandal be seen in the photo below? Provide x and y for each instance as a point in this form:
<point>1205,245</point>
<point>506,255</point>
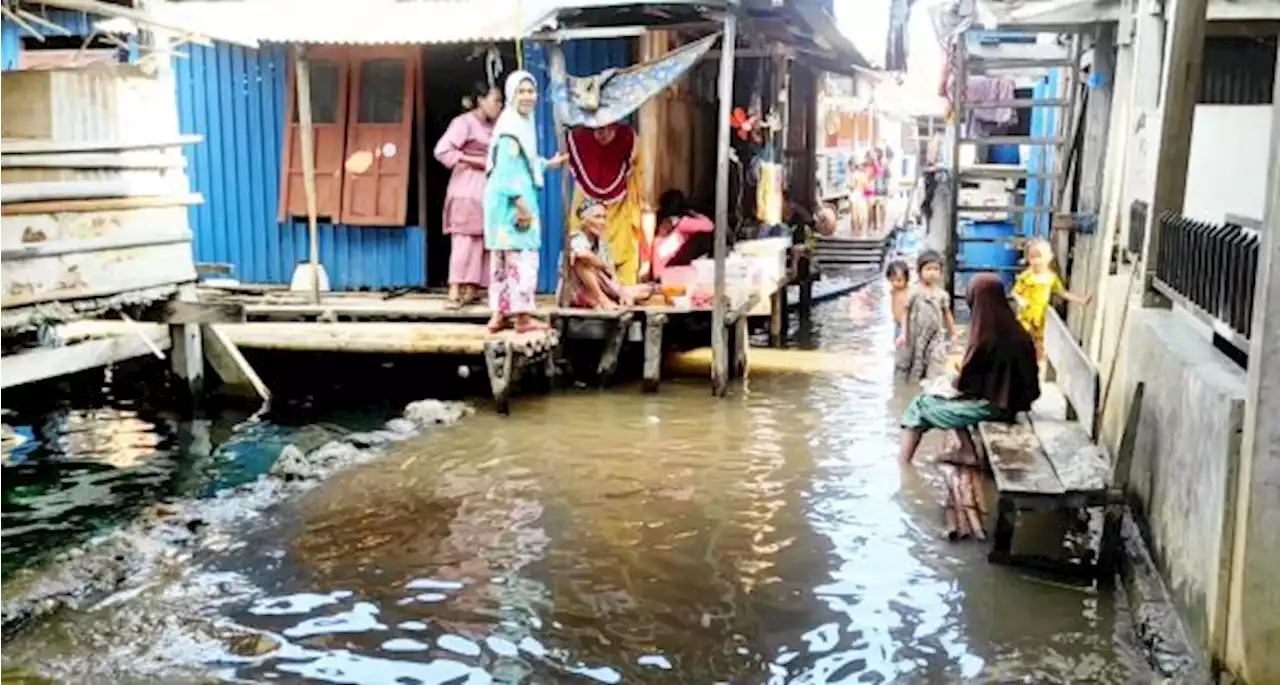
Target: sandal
<point>452,305</point>
<point>534,326</point>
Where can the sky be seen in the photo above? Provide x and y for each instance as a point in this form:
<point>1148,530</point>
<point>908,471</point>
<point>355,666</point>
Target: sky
<point>865,22</point>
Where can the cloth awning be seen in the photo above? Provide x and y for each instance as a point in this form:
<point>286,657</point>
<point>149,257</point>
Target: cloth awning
<point>371,22</point>
<point>613,95</point>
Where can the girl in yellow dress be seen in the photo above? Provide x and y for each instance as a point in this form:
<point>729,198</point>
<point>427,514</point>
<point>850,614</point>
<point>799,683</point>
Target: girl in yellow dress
<point>1035,288</point>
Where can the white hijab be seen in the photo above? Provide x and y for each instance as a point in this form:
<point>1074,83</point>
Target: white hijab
<point>518,126</point>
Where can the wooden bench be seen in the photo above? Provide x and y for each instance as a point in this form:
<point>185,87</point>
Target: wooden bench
<point>1046,463</point>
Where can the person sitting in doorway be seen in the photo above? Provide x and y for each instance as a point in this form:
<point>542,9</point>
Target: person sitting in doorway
<point>593,277</point>
<point>681,235</point>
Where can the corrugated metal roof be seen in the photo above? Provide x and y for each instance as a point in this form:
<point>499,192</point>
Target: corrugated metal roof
<point>372,22</point>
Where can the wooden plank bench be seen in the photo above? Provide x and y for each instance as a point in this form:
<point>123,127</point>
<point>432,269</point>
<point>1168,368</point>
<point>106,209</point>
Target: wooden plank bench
<point>1045,463</point>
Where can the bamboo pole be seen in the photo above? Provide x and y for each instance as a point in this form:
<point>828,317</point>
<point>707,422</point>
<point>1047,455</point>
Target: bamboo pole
<point>302,74</point>
<point>719,333</point>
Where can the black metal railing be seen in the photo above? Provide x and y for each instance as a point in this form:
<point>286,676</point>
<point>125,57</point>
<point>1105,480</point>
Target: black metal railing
<point>1212,266</point>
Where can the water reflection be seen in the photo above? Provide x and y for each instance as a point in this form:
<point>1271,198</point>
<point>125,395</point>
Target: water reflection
<point>617,537</point>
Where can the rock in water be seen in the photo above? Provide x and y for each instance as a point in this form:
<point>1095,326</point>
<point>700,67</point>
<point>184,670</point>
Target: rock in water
<point>401,426</point>
<point>434,412</point>
<point>291,463</point>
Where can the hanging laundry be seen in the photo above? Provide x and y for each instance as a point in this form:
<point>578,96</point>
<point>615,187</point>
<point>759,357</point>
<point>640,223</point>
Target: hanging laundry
<point>895,58</point>
<point>988,120</point>
<point>769,194</point>
<point>601,159</point>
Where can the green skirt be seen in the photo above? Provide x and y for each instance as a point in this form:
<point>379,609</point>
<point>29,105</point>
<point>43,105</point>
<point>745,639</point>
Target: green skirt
<point>927,412</point>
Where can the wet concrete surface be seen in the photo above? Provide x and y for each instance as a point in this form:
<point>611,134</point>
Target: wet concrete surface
<point>590,536</point>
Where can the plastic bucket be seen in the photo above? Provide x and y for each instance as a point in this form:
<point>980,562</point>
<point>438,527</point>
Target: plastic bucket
<point>1005,154</point>
<point>997,257</point>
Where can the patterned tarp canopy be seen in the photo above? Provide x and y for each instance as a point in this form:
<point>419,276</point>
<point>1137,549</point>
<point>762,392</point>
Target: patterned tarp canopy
<point>614,94</point>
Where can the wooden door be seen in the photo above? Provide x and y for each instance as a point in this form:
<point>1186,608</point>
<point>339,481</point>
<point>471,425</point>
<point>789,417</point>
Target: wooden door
<point>329,77</point>
<point>379,135</point>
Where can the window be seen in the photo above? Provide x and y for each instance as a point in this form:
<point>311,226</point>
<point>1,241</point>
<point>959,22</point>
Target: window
<point>362,114</point>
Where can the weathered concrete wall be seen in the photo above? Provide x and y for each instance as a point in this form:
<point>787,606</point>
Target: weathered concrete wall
<point>1186,461</point>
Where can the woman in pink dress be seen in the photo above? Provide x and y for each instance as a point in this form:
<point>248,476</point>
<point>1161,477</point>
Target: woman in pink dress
<point>464,147</point>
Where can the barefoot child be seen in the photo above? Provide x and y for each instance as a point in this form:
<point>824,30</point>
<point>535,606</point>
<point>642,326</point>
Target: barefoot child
<point>930,329</point>
<point>1034,289</point>
<point>899,278</point>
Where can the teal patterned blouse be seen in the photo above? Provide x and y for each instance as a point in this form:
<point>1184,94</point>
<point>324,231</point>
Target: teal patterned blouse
<point>509,179</point>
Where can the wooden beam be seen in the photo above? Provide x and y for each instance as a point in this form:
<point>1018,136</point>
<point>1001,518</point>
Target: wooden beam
<point>46,363</point>
<point>13,146</point>
<point>230,365</point>
<point>56,248</point>
<point>1184,55</point>
<point>177,311</point>
<point>306,131</point>
<point>41,191</point>
<point>94,160</point>
<point>720,304</point>
<point>111,204</point>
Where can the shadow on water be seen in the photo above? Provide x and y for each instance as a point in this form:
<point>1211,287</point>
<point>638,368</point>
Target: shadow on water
<point>91,450</point>
<point>616,537</point>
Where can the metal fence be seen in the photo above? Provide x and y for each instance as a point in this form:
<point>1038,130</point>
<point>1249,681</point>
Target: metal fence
<point>1211,269</point>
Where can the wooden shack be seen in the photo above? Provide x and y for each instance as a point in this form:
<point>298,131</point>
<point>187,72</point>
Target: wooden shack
<point>93,224</point>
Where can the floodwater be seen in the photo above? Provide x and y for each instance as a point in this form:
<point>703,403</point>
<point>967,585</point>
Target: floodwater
<point>617,537</point>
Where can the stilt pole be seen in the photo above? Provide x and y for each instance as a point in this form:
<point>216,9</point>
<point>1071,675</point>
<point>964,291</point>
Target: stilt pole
<point>720,305</point>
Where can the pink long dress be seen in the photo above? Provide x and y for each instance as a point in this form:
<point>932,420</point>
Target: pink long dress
<point>468,134</point>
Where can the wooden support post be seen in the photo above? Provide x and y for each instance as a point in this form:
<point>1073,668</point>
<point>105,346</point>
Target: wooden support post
<point>1184,54</point>
<point>613,342</point>
<point>653,325</point>
<point>1117,492</point>
<point>805,279</point>
<point>741,345</point>
<point>720,302</point>
<point>187,355</point>
<point>1090,249</point>
<point>778,318</point>
<point>306,130</point>
<point>499,361</point>
<point>1254,602</point>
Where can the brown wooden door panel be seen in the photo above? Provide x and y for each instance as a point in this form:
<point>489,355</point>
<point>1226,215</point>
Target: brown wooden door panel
<point>379,135</point>
<point>330,76</point>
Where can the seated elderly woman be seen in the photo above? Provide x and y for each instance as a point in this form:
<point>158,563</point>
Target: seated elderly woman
<point>998,378</point>
<point>593,280</point>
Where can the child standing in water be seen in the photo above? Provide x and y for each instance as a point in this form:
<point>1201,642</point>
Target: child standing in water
<point>930,328</point>
<point>899,278</point>
<point>1034,289</point>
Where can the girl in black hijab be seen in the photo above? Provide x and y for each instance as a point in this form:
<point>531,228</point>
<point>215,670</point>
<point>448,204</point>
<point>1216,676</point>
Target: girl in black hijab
<point>998,378</point>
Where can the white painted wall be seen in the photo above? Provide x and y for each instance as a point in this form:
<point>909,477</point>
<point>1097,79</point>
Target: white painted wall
<point>1227,170</point>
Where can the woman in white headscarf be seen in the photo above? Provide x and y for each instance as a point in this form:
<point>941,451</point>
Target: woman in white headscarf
<point>512,230</point>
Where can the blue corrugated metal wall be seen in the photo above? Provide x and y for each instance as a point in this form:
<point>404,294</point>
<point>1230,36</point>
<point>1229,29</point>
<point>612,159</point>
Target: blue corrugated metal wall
<point>236,98</point>
<point>582,58</point>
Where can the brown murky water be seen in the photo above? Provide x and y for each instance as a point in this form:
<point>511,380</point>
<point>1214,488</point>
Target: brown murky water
<point>617,537</point>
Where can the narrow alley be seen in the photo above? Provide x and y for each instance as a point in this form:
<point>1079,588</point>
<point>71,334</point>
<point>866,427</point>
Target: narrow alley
<point>769,538</point>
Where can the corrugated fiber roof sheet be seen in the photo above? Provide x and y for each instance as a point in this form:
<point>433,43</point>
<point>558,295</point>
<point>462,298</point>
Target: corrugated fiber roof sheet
<point>369,22</point>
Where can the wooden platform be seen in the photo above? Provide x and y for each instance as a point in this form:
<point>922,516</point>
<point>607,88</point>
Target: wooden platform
<point>421,323</point>
<point>508,355</point>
